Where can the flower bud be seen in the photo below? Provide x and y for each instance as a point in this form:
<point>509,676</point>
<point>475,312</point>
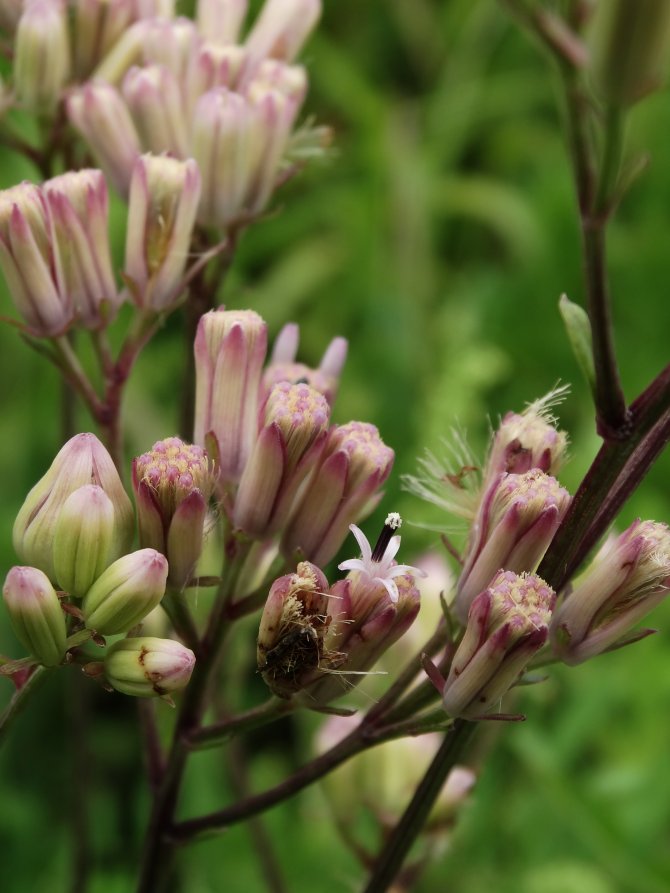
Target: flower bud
<point>293,430</point>
<point>127,51</point>
<point>147,667</point>
<point>28,258</point>
<point>83,460</point>
<point>631,42</point>
<point>353,466</point>
<point>171,44</point>
<point>79,208</point>
<point>172,484</point>
<point>274,115</point>
<point>283,365</point>
<point>281,29</point>
<point>164,194</point>
<point>230,348</point>
<point>290,649</point>
<point>221,20</point>
<point>35,613</point>
<point>517,520</point>
<point>100,115</point>
<point>42,60</point>
<point>157,108</point>
<point>628,577</point>
<point>507,624</point>
<point>126,592</point>
<point>96,28</point>
<point>83,544</point>
<point>211,65</point>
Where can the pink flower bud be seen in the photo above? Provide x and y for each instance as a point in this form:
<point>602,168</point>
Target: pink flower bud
<point>83,460</point>
<point>170,43</point>
<point>164,195</point>
<point>147,667</point>
<point>353,466</point>
<point>96,27</point>
<point>84,543</point>
<point>628,577</point>
<point>126,592</point>
<point>42,59</point>
<point>221,20</point>
<point>172,484</point>
<point>127,51</point>
<point>230,348</point>
<point>281,29</point>
<point>283,365</point>
<point>517,519</point>
<point>79,208</point>
<point>28,257</point>
<point>35,614</point>
<point>293,430</point>
<point>211,65</point>
<point>507,624</point>
<point>100,115</point>
<point>156,104</point>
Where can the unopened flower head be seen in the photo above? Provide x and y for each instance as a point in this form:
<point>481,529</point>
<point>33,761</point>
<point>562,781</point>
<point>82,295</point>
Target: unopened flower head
<point>507,624</point>
<point>283,366</point>
<point>230,348</point>
<point>294,423</point>
<point>627,578</point>
<point>126,592</point>
<point>354,464</point>
<point>96,27</point>
<point>156,104</point>
<point>290,648</point>
<point>35,614</point>
<point>171,43</point>
<point>83,460</point>
<point>147,667</point>
<point>211,65</point>
<point>84,542</point>
<point>518,517</point>
<point>281,29</point>
<point>164,195</point>
<point>28,261</point>
<point>79,207</point>
<point>172,484</point>
<point>42,60</point>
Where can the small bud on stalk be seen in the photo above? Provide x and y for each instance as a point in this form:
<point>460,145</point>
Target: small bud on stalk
<point>147,667</point>
<point>211,65</point>
<point>164,195</point>
<point>155,102</point>
<point>126,592</point>
<point>230,348</point>
<point>171,43</point>
<point>42,62</point>
<point>172,484</point>
<point>83,460</point>
<point>283,366</point>
<point>293,431</point>
<point>35,613</point>
<point>628,577</point>
<point>517,519</point>
<point>507,624</point>
<point>83,543</point>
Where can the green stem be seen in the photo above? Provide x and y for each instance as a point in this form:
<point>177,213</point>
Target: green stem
<point>174,604</point>
<point>19,700</point>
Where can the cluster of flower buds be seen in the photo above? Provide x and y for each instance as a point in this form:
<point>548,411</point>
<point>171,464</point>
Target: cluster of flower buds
<point>189,89</point>
<point>319,640</point>
<point>54,253</point>
<point>626,579</point>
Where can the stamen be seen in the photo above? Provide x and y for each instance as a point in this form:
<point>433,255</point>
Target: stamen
<point>391,524</point>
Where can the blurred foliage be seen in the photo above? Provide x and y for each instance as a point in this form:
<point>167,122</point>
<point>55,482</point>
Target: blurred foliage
<point>437,237</point>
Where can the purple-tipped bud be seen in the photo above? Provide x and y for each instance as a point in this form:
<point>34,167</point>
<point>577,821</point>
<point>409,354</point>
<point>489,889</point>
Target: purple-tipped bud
<point>157,107</point>
<point>28,257</point>
<point>96,27</point>
<point>293,429</point>
<point>147,667</point>
<point>171,44</point>
<point>211,65</point>
<point>290,648</point>
<point>354,464</point>
<point>126,592</point>
<point>42,55</point>
<point>283,365</point>
<point>164,195</point>
<point>507,624</point>
<point>172,484</point>
<point>281,29</point>
<point>221,20</point>
<point>35,613</point>
<point>628,577</point>
<point>79,208</point>
<point>127,51</point>
<point>230,348</point>
<point>527,440</point>
<point>83,460</point>
<point>100,115</point>
<point>517,519</point>
<point>84,539</point>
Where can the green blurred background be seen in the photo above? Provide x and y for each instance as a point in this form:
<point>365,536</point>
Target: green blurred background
<point>437,237</point>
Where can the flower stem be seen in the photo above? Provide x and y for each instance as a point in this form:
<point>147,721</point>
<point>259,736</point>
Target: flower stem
<point>218,733</point>
<point>19,700</point>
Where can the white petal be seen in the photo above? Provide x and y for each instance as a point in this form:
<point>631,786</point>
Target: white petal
<point>354,564</point>
<point>392,549</point>
<point>391,588</point>
<point>362,540</point>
